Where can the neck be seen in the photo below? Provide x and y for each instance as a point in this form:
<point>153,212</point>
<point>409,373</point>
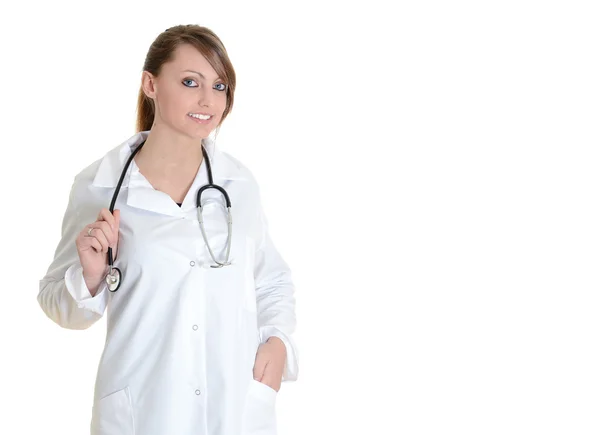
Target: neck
<point>168,153</point>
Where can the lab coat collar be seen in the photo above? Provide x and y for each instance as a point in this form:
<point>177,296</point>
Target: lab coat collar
<point>141,194</point>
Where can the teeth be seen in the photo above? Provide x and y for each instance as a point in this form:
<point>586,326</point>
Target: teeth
<point>193,115</point>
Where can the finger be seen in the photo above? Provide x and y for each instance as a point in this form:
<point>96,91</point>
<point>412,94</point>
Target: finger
<point>111,235</point>
<point>110,218</point>
<point>94,243</point>
<point>90,242</point>
<point>117,218</point>
<point>99,235</point>
<point>259,368</point>
<point>106,215</point>
<point>117,215</point>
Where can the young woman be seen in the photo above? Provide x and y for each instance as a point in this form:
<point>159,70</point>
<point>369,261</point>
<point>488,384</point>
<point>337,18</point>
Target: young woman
<point>200,311</point>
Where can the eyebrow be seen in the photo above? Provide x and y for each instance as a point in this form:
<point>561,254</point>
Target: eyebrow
<point>200,74</point>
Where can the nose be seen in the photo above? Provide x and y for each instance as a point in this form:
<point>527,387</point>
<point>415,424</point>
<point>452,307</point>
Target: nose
<point>205,98</point>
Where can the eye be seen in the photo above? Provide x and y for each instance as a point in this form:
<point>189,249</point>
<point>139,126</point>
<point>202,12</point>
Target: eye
<point>189,80</point>
<point>224,88</point>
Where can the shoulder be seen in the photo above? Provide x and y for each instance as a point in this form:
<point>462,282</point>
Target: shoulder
<point>84,179</point>
<point>88,173</point>
<point>248,186</point>
<point>83,191</point>
<point>242,171</point>
<point>88,176</point>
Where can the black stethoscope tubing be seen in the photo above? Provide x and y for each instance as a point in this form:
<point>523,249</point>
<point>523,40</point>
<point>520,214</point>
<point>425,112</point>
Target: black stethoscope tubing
<point>118,278</point>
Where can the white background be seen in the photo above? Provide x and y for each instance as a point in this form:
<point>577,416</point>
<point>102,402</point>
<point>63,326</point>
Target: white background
<point>430,172</point>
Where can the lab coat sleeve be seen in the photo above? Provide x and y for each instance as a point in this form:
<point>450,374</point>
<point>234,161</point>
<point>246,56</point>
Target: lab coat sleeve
<point>63,294</point>
<point>275,297</point>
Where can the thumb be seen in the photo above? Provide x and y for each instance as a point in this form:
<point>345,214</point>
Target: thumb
<point>259,367</point>
<point>117,215</point>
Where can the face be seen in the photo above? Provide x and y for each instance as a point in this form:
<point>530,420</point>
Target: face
<point>186,85</point>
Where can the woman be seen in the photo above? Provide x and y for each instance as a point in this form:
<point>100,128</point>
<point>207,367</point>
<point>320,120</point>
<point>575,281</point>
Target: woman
<point>191,347</point>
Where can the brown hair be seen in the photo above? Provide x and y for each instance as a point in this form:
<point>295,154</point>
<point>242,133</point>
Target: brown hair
<point>162,51</point>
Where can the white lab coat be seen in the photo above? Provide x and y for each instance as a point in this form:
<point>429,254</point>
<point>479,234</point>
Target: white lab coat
<point>181,336</point>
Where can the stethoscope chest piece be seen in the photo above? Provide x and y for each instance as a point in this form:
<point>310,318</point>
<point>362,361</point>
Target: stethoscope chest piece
<point>113,279</point>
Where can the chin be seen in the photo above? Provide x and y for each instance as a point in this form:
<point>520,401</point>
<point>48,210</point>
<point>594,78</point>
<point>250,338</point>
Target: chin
<point>202,134</point>
<point>195,133</point>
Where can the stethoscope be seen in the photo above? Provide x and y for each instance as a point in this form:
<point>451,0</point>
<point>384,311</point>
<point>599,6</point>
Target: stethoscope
<point>114,277</point>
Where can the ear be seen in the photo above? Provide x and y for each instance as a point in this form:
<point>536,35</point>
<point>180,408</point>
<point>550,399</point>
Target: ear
<point>149,84</point>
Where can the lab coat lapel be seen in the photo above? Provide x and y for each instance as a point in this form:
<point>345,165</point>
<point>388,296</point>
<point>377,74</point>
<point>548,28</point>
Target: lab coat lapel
<point>114,161</point>
<point>141,194</point>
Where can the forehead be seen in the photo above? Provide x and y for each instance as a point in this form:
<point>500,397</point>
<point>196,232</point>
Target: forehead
<point>187,57</point>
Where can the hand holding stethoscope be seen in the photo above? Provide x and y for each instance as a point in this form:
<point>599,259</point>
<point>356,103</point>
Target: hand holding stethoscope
<point>93,243</point>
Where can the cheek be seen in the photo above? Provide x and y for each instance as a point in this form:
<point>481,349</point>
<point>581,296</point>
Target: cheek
<point>173,102</point>
<point>219,112</point>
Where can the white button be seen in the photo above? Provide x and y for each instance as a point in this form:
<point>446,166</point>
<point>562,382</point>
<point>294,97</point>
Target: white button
<point>197,392</point>
<point>195,327</point>
<point>192,263</point>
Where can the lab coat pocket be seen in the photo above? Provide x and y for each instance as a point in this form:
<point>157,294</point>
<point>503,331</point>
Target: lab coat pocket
<point>259,413</point>
<point>113,414</point>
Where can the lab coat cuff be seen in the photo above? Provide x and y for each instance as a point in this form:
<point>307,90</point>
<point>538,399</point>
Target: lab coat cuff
<point>290,369</point>
<point>78,289</point>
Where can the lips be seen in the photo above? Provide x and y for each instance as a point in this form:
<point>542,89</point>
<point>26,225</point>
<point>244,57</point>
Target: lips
<point>200,121</point>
